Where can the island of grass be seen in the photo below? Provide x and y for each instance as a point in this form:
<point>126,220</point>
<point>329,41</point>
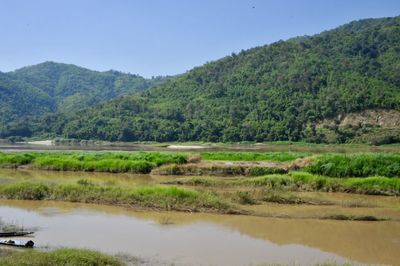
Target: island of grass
<point>115,162</point>
<point>220,182</point>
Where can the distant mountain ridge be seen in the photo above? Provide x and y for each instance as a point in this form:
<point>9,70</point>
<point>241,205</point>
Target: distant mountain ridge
<point>74,87</point>
<point>63,88</point>
<point>282,91</point>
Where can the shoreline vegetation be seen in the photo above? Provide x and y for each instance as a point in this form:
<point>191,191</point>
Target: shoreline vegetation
<point>113,162</point>
<point>63,256</point>
<point>216,182</point>
<point>85,257</point>
<point>144,197</point>
<point>329,165</point>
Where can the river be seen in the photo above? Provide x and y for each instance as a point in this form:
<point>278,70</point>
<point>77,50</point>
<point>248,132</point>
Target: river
<point>209,239</point>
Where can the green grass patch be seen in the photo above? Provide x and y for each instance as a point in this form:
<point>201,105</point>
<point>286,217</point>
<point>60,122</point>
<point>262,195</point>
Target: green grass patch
<point>200,169</point>
<point>301,181</point>
<point>64,257</point>
<point>135,162</point>
<point>152,197</point>
<point>357,165</point>
<point>253,156</point>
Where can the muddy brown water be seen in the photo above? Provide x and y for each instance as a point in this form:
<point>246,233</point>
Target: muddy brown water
<point>209,239</point>
<point>261,147</point>
<point>206,239</point>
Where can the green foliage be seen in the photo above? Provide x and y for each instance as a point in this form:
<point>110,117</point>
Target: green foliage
<point>269,93</point>
<point>164,198</point>
<point>39,90</point>
<point>276,92</point>
<point>259,171</point>
<point>15,159</point>
<point>136,162</point>
<point>357,165</point>
<point>64,257</point>
<point>301,181</point>
<point>253,156</point>
<point>217,170</point>
<point>26,191</point>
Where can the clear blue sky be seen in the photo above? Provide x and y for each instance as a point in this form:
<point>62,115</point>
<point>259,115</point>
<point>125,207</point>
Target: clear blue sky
<point>160,37</point>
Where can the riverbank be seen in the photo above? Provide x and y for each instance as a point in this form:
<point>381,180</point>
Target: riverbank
<point>218,182</point>
<point>240,198</point>
<point>206,163</point>
<point>82,257</point>
<point>57,257</point>
<point>144,197</point>
<point>114,162</point>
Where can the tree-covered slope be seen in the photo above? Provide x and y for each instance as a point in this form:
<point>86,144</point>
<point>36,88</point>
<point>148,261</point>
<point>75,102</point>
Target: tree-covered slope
<point>19,99</point>
<point>280,91</point>
<point>74,87</point>
<point>34,91</point>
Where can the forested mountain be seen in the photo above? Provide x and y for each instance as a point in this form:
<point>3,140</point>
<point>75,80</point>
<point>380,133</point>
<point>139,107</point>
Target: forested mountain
<point>19,99</point>
<point>300,89</point>
<point>73,87</point>
<point>36,90</point>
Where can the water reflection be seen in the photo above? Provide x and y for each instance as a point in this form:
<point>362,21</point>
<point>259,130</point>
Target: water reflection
<point>206,238</point>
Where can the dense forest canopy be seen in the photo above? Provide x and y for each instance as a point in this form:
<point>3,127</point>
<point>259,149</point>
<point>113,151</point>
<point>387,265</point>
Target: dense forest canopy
<point>298,89</point>
<point>49,87</point>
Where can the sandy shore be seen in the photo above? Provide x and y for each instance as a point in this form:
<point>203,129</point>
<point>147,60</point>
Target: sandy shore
<point>41,142</point>
<point>186,147</point>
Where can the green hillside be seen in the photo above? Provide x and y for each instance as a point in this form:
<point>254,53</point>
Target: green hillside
<point>298,89</point>
<point>342,85</point>
<point>34,91</point>
<point>19,99</point>
<point>73,87</point>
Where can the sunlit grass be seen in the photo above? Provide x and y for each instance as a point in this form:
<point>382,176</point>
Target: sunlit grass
<point>64,257</point>
<point>357,165</point>
<point>152,197</point>
<point>254,156</point>
<point>135,162</point>
<point>301,181</point>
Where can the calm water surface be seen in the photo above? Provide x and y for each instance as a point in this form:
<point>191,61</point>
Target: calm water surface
<point>206,239</point>
<point>120,146</point>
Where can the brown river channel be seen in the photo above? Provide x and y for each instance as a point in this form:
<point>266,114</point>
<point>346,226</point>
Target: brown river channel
<point>206,239</point>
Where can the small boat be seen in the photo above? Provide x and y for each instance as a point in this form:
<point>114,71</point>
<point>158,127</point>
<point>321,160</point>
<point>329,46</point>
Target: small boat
<point>16,243</point>
<point>15,233</point>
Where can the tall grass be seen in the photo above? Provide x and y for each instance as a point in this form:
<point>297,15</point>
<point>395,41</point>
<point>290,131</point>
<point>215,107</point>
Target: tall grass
<point>136,162</point>
<point>157,197</point>
<point>217,170</point>
<point>15,159</point>
<point>299,181</point>
<point>253,156</point>
<point>357,165</point>
<point>65,257</point>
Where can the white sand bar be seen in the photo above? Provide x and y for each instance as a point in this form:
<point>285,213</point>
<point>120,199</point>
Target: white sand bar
<point>41,142</point>
<point>185,147</point>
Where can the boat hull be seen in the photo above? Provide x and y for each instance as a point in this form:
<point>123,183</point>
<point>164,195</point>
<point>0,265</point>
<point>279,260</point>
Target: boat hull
<point>11,234</point>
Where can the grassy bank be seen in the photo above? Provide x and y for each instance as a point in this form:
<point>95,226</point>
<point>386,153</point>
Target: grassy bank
<point>215,164</point>
<point>300,181</point>
<point>205,169</point>
<point>152,197</point>
<point>357,165</point>
<point>253,156</point>
<point>81,257</point>
<point>64,257</point>
<point>135,162</point>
